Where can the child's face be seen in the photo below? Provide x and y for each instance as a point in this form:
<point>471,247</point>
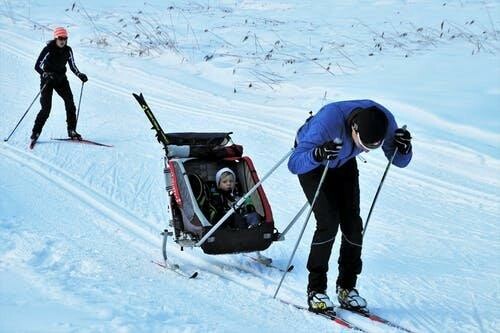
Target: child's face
<point>226,183</point>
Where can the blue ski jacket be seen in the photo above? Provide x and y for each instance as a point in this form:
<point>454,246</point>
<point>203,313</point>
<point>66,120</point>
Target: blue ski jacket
<point>330,123</point>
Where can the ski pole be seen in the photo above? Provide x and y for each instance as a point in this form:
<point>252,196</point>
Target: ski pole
<point>378,189</point>
<point>240,202</point>
<point>303,227</point>
<point>24,115</point>
<point>79,102</point>
<point>295,219</point>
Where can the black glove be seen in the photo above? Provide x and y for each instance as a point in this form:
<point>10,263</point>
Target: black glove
<point>48,76</point>
<point>83,77</point>
<point>402,140</point>
<point>327,151</point>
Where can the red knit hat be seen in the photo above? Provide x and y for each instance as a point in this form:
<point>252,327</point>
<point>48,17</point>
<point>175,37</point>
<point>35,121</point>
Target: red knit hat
<point>60,32</point>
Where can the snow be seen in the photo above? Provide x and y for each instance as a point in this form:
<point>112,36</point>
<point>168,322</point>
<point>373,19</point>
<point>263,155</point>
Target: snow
<point>80,224</point>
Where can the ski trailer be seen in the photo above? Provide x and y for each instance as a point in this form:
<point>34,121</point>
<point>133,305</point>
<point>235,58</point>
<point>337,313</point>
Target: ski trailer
<point>190,164</point>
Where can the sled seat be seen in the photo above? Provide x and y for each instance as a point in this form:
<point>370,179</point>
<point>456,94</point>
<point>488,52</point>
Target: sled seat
<point>224,240</point>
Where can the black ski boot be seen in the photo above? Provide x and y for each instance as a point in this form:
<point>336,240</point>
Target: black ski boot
<point>319,302</point>
<point>73,135</point>
<point>350,299</point>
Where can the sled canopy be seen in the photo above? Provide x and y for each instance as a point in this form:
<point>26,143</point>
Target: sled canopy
<point>202,145</point>
<point>199,139</point>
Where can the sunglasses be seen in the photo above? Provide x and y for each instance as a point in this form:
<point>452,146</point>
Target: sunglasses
<point>62,38</point>
<point>367,146</point>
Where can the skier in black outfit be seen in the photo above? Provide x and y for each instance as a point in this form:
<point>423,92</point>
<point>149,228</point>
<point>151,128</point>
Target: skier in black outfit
<point>334,137</point>
<point>51,65</point>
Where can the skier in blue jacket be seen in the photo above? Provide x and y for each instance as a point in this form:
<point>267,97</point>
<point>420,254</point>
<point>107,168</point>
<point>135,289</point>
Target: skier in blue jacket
<point>336,135</point>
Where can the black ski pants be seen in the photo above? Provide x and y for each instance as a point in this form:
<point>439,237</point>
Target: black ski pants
<point>61,86</point>
<point>337,205</point>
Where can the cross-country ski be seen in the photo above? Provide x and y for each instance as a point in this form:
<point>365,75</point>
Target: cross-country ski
<point>83,141</point>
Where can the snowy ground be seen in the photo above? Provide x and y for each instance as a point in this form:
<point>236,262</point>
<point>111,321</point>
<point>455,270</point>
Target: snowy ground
<point>80,224</point>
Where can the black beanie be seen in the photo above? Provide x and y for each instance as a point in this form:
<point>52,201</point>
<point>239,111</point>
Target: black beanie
<point>371,124</point>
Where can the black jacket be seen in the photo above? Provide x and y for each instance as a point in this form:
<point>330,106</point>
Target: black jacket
<point>53,59</point>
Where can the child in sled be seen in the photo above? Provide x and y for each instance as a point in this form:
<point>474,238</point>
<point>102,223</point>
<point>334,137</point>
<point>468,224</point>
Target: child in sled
<point>225,197</point>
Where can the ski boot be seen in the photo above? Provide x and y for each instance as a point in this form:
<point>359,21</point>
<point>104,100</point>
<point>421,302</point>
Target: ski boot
<point>319,302</point>
<point>73,135</point>
<point>350,299</point>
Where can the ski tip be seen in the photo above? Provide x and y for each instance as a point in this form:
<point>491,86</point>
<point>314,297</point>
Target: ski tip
<point>139,97</point>
<point>82,140</point>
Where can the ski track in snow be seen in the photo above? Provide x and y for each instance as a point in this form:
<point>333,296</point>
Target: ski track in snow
<point>118,224</point>
<point>109,284</point>
<point>94,206</point>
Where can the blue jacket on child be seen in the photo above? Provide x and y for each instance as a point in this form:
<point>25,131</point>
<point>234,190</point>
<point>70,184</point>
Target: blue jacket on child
<point>330,123</point>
